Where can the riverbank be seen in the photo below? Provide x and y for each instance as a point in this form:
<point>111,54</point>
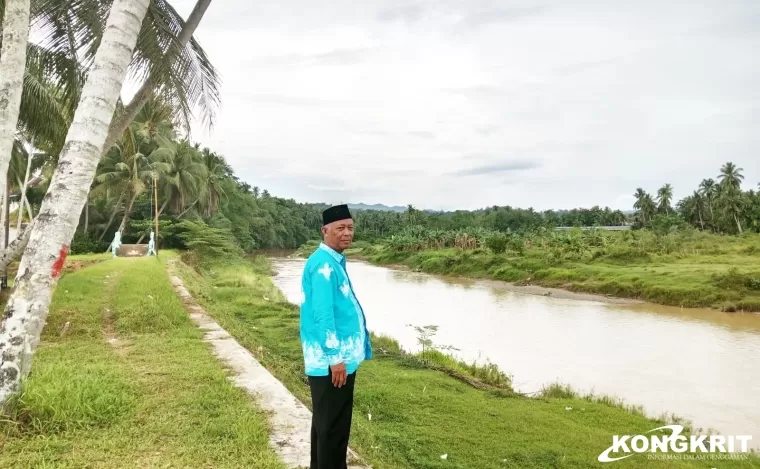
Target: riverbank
<point>425,407</point>
<point>513,287</point>
<point>695,270</point>
<point>122,379</point>
<point>361,254</point>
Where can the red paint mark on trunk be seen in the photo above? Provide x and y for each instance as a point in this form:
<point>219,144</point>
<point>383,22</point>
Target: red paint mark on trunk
<point>58,265</point>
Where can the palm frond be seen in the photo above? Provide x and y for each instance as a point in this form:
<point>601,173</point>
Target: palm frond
<point>61,70</point>
<point>162,154</point>
<point>72,27</point>
<point>42,114</point>
<point>17,166</point>
<point>184,75</point>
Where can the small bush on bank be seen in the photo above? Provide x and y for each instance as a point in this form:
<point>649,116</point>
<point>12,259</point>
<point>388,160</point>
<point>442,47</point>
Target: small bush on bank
<point>87,244</point>
<point>497,243</point>
<point>735,280</point>
<point>209,242</point>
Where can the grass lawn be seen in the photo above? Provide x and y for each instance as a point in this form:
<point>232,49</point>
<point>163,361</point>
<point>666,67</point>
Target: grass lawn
<point>123,380</point>
<point>419,414</point>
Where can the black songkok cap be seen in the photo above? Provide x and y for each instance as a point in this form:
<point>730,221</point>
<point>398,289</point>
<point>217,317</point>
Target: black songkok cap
<point>335,213</point>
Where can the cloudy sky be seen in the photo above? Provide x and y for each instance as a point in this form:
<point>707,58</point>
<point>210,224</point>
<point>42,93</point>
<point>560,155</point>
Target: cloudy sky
<point>469,103</point>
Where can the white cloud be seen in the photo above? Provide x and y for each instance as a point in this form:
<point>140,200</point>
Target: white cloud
<point>386,102</point>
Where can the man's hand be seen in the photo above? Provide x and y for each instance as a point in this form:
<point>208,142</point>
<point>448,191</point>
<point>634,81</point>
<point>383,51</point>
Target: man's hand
<point>339,375</point>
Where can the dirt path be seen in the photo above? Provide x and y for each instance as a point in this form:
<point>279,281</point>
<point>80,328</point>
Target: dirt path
<point>290,420</point>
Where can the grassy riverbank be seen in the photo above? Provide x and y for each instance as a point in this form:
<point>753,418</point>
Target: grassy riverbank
<point>689,269</point>
<point>123,380</point>
<point>419,410</point>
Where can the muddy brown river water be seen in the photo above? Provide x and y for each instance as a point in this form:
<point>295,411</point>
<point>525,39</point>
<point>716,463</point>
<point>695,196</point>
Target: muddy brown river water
<point>699,364</point>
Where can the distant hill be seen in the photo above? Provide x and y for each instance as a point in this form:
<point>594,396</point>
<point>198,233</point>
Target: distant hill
<point>402,209</point>
<point>379,207</point>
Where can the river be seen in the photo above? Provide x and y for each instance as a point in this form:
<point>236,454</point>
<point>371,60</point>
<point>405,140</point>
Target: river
<point>695,363</point>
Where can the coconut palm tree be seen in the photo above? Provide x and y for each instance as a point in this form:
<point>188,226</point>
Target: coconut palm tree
<point>731,177</point>
<point>644,205</point>
<point>184,179</point>
<point>182,97</point>
<point>167,60</point>
<point>144,151</point>
<point>176,67</point>
<point>45,253</point>
<point>23,164</point>
<point>649,207</point>
<point>752,210</point>
<point>217,170</point>
<point>15,36</point>
<point>692,207</point>
<point>731,196</point>
<point>129,171</point>
<point>707,189</point>
<point>664,197</point>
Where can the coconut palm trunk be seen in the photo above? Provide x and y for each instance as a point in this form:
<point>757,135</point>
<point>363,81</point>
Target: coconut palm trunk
<point>22,199</point>
<point>14,250</point>
<point>127,212</point>
<point>25,203</point>
<point>87,213</point>
<point>7,212</point>
<point>188,208</point>
<point>45,254</point>
<point>12,68</point>
<point>142,236</point>
<point>113,215</point>
<point>120,124</point>
<point>3,217</point>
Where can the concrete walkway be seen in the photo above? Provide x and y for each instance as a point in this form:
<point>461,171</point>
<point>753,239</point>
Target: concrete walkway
<point>290,420</point>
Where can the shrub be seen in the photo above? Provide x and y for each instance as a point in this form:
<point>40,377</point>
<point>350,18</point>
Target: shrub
<point>517,244</point>
<point>508,273</point>
<point>735,280</point>
<point>497,243</point>
<point>86,244</point>
<point>210,243</point>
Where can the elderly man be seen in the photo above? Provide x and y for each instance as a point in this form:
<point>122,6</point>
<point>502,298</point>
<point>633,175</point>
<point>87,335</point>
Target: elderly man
<point>334,339</point>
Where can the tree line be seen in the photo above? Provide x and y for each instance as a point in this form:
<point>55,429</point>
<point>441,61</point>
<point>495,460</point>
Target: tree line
<point>206,190</point>
<point>153,169</point>
<point>196,184</point>
<point>721,205</point>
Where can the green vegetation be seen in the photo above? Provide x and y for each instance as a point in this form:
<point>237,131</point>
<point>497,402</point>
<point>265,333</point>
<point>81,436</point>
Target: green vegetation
<point>123,380</point>
<point>201,204</point>
<point>686,268</point>
<point>424,406</point>
<point>721,206</point>
<point>180,75</point>
<point>689,256</point>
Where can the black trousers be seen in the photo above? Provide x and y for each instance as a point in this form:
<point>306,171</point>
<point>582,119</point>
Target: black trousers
<point>331,421</point>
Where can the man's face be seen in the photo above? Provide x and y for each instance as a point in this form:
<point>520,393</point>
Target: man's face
<point>339,234</point>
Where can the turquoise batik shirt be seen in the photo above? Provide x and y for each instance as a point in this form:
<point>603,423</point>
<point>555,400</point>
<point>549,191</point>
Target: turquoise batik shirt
<point>333,327</point>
